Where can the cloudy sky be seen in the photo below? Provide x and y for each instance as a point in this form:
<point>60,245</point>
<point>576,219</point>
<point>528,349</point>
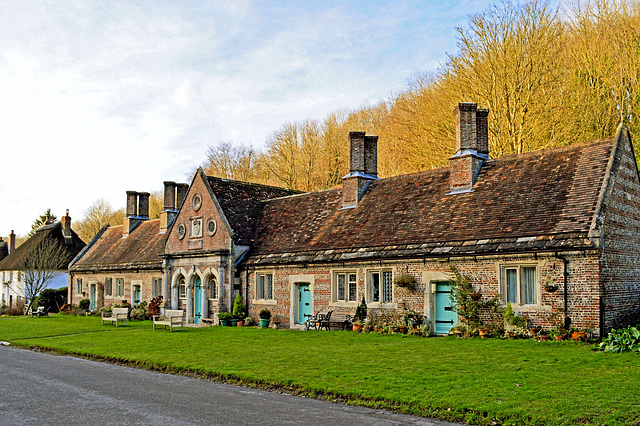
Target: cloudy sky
<point>100,97</point>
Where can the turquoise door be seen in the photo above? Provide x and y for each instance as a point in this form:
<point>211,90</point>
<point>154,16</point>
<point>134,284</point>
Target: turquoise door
<point>197,301</point>
<point>304,302</point>
<point>446,318</point>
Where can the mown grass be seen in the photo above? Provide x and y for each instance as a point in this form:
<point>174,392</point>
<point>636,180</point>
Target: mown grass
<point>478,381</point>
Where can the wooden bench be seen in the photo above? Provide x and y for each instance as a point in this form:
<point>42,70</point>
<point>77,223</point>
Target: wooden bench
<point>116,315</point>
<point>40,312</point>
<point>328,320</point>
<point>171,318</point>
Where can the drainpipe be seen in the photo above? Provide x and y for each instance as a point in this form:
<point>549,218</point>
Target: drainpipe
<point>565,261</point>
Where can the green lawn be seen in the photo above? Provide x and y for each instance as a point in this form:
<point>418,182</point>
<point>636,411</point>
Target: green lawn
<point>475,380</point>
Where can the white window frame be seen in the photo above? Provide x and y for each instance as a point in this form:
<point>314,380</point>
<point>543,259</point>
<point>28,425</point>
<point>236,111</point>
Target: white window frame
<point>212,282</point>
<point>518,268</point>
<point>182,288</point>
<point>108,287</point>
<point>350,276</point>
<point>119,287</point>
<point>156,287</point>
<point>262,290</point>
<point>381,273</point>
<point>78,285</point>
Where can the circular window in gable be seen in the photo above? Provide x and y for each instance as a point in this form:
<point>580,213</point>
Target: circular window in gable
<point>211,227</point>
<point>181,230</point>
<point>196,201</point>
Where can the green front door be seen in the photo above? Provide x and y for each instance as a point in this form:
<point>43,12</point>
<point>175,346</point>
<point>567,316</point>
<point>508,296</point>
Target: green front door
<point>304,302</point>
<point>197,301</point>
<point>445,316</point>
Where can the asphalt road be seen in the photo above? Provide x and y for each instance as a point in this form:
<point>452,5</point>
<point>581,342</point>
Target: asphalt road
<point>44,389</point>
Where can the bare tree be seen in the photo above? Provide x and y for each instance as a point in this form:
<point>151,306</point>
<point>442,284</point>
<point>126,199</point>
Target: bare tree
<point>47,261</point>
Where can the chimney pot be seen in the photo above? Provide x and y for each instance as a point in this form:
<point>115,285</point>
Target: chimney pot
<point>12,242</point>
<point>66,225</point>
<point>143,204</point>
<point>169,195</point>
<point>363,168</point>
<point>482,131</point>
<point>183,188</point>
<point>132,203</point>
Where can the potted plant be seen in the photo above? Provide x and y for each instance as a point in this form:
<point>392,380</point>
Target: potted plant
<point>239,311</point>
<point>265,318</point>
<point>550,285</point>
<point>406,280</point>
<point>225,318</point>
<point>360,315</point>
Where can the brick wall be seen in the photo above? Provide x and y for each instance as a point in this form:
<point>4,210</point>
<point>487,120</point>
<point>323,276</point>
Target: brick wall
<point>583,296</point>
<point>145,280</point>
<point>621,237</point>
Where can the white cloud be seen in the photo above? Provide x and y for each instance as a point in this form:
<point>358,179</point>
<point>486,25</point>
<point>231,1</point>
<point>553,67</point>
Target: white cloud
<point>97,98</point>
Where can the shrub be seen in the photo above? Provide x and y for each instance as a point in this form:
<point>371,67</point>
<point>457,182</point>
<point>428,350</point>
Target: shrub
<point>154,306</point>
<point>265,314</point>
<point>622,340</point>
<point>361,311</point>
<point>84,304</point>
<point>238,308</point>
<point>225,316</point>
<point>17,308</point>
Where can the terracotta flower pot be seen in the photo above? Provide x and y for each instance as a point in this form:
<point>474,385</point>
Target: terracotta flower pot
<point>482,332</point>
<point>356,327</point>
<point>240,323</point>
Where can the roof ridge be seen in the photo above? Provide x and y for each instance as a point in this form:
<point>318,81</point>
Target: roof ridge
<point>261,185</point>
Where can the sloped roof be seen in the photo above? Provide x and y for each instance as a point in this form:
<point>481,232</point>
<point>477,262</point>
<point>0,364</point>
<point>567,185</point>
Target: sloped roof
<point>140,250</point>
<point>241,204</point>
<point>539,200</point>
<point>15,261</point>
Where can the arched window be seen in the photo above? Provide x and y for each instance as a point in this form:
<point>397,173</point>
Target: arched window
<point>212,282</point>
<point>182,288</point>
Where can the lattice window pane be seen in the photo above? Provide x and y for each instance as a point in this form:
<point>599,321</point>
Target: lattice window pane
<point>387,287</point>
<point>261,287</point>
<point>341,286</point>
<point>375,287</point>
<point>353,287</point>
<point>269,286</point>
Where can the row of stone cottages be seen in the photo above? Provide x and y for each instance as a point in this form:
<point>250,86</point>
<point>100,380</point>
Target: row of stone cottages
<point>567,217</point>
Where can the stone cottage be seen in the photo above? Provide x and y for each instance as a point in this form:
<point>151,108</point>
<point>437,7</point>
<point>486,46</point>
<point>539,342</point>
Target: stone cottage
<point>563,218</point>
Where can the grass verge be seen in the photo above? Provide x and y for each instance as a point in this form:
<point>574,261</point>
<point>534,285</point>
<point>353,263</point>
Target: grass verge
<point>476,381</point>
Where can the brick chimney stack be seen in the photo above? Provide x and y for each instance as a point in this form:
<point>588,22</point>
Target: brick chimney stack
<point>12,242</point>
<point>66,228</point>
<point>363,168</point>
<point>137,211</point>
<point>472,146</point>
<point>174,194</point>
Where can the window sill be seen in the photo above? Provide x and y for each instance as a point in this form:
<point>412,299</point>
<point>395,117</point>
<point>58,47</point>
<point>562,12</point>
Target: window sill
<point>379,305</point>
<point>265,302</point>
<point>529,308</point>
<point>341,304</point>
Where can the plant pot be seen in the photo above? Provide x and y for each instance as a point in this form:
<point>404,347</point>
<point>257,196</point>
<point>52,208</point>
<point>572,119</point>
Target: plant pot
<point>224,323</point>
<point>264,323</point>
<point>559,338</point>
<point>550,288</point>
<point>233,322</point>
<point>240,323</point>
<point>482,332</point>
<point>356,327</point>
<point>535,330</point>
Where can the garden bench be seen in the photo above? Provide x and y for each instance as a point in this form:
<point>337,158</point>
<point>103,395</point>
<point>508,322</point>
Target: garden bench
<point>171,318</point>
<point>40,312</point>
<point>116,315</point>
<point>313,321</point>
<point>336,320</point>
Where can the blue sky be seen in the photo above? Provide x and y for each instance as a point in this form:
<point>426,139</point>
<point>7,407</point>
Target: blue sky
<point>101,97</point>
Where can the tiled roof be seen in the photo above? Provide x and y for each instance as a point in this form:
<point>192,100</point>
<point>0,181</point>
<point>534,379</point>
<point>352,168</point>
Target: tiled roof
<point>241,204</point>
<point>140,250</point>
<point>544,199</point>
<point>15,260</point>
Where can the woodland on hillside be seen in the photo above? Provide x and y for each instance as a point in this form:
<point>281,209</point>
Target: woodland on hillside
<point>549,77</point>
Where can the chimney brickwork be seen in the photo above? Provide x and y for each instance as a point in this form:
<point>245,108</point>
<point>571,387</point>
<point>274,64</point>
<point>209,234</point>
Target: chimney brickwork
<point>143,204</point>
<point>363,168</point>
<point>137,211</point>
<point>132,203</point>
<point>172,193</point>
<point>472,146</point>
<point>66,228</point>
<point>12,242</point>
